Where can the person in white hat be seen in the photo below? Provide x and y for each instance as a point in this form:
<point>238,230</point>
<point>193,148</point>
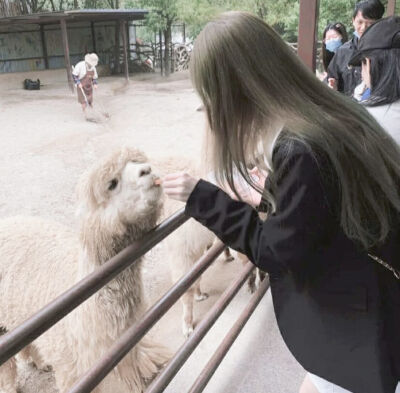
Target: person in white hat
<point>85,77</point>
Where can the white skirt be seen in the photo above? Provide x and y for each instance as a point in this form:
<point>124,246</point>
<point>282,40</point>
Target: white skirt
<point>323,386</point>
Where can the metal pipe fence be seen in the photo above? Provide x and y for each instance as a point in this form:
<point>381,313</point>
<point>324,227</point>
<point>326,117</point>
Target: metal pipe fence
<point>212,365</point>
<point>132,336</point>
<point>33,327</point>
<point>13,341</point>
<point>165,377</point>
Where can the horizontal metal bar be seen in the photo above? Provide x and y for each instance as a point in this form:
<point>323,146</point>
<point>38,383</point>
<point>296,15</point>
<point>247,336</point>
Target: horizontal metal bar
<point>15,340</point>
<point>46,30</point>
<point>222,350</point>
<point>22,31</point>
<point>165,377</point>
<point>72,54</point>
<point>22,59</point>
<point>132,336</point>
<point>42,57</point>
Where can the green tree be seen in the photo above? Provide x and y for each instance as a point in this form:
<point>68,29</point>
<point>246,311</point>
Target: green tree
<point>163,14</point>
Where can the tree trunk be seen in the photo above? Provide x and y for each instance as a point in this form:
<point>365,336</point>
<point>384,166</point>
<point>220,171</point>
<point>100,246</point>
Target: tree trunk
<point>24,7</point>
<point>76,5</point>
<point>261,9</point>
<point>167,47</point>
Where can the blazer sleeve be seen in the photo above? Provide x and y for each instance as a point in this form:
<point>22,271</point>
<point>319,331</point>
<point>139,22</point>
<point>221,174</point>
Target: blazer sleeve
<point>302,223</point>
<point>333,68</point>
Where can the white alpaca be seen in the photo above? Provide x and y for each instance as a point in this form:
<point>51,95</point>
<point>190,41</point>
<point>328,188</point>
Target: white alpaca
<point>185,245</point>
<point>40,259</point>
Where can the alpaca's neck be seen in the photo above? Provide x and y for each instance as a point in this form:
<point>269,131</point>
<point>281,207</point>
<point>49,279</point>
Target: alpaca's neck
<point>119,302</point>
<point>102,240</point>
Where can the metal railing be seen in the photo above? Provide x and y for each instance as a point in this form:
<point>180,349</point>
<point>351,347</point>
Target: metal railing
<point>28,331</point>
<point>24,334</point>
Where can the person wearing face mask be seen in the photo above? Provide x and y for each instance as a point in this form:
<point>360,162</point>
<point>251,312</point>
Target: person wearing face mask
<point>85,77</point>
<point>333,37</point>
<point>341,77</point>
<point>379,56</point>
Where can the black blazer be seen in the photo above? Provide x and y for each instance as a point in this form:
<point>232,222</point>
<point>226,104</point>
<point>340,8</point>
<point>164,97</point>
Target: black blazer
<point>338,311</point>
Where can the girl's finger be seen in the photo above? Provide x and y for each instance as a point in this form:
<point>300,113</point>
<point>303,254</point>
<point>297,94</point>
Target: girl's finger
<point>172,184</point>
<point>173,176</point>
<point>173,193</point>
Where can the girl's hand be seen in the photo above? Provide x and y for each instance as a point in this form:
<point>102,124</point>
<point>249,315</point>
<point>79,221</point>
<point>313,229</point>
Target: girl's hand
<point>366,72</point>
<point>179,185</point>
<point>332,83</point>
<point>246,192</point>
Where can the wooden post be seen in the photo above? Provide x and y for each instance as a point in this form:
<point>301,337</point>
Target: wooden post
<point>116,48</point>
<point>161,52</point>
<point>64,34</point>
<point>308,28</point>
<point>93,36</point>
<point>44,47</point>
<point>391,8</point>
<point>171,58</point>
<point>125,48</point>
<point>184,33</point>
<point>167,56</point>
<point>128,41</point>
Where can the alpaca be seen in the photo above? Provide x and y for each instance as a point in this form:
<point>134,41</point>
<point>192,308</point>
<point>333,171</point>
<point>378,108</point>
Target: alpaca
<point>251,281</point>
<point>189,242</point>
<point>186,244</point>
<point>40,259</point>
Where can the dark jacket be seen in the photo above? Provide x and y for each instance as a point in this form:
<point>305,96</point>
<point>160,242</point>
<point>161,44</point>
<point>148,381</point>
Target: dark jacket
<point>338,311</point>
<point>347,77</point>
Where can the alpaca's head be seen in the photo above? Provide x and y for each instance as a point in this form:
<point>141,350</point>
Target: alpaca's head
<point>118,200</point>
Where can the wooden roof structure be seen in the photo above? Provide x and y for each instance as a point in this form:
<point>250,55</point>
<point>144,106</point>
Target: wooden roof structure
<point>86,15</point>
<point>121,16</point>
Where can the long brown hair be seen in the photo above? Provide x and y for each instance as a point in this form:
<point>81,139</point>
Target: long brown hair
<point>252,86</point>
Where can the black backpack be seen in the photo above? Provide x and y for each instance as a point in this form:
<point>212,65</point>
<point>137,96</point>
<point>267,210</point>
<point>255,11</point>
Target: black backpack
<point>31,85</point>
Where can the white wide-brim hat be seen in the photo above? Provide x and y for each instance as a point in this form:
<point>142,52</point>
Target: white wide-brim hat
<point>91,59</point>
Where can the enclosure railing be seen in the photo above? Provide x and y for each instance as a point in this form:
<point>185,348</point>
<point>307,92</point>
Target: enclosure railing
<point>13,341</point>
<point>44,319</point>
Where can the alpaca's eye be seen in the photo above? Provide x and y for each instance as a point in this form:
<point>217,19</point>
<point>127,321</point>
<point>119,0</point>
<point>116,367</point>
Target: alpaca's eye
<point>144,172</point>
<point>113,184</point>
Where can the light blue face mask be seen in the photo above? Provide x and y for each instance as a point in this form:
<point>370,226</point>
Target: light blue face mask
<point>366,94</point>
<point>333,45</point>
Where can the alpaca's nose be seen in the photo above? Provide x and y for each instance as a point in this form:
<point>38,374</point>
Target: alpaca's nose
<point>144,170</point>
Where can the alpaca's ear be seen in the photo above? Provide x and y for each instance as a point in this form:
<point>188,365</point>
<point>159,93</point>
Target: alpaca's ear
<point>86,201</point>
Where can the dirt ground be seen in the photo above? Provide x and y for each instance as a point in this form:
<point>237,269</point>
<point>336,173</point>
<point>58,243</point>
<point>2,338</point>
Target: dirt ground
<point>46,144</point>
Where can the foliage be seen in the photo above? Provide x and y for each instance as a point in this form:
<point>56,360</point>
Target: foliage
<point>282,14</point>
